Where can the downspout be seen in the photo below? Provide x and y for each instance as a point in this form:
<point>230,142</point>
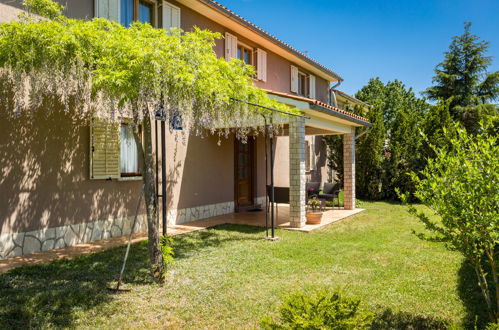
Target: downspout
<point>361,134</point>
<point>332,95</point>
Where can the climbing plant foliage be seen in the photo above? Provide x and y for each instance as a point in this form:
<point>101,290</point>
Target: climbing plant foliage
<point>102,67</point>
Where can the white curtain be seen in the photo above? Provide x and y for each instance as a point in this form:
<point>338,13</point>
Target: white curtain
<point>129,152</point>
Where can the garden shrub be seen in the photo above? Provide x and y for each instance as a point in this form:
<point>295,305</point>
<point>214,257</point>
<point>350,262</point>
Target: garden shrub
<point>322,310</point>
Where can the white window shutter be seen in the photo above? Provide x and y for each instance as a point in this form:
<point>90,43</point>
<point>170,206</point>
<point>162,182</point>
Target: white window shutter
<point>262,64</point>
<point>294,79</point>
<point>108,9</point>
<point>171,16</point>
<point>176,18</point>
<point>311,82</point>
<point>307,155</point>
<point>230,46</point>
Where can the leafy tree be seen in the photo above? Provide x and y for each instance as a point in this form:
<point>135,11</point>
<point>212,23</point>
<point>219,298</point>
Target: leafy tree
<point>435,123</point>
<point>462,79</point>
<point>335,154</point>
<point>100,68</point>
<point>461,186</point>
<point>391,147</point>
<point>369,157</point>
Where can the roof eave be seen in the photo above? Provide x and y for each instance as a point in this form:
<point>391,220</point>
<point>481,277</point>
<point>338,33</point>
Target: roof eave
<point>215,5</point>
<point>339,115</point>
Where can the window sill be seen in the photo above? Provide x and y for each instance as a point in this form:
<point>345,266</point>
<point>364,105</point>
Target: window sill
<point>130,178</point>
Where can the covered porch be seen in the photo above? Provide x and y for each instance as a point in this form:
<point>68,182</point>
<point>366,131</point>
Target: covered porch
<point>259,219</point>
<point>320,120</point>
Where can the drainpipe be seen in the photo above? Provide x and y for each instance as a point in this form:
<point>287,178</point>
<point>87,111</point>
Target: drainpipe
<point>367,130</point>
<point>332,95</point>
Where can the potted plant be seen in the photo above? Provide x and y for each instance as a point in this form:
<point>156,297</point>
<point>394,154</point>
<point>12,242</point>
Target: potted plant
<point>315,216</point>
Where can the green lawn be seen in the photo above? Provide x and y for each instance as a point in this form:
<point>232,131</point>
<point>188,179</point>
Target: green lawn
<point>230,277</point>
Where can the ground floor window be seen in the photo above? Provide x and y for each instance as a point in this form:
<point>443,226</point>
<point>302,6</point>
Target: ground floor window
<point>129,152</point>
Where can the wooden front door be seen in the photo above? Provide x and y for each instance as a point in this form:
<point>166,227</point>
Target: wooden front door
<point>244,172</point>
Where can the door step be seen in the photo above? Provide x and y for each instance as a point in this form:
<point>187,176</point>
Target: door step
<point>249,208</point>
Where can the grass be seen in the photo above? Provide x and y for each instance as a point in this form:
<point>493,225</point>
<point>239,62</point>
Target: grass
<point>229,277</point>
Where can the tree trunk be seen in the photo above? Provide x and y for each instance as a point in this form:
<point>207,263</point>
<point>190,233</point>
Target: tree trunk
<point>482,281</point>
<point>495,277</point>
<point>155,255</point>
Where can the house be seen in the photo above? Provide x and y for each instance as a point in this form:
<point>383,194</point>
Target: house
<point>344,101</point>
<point>60,185</point>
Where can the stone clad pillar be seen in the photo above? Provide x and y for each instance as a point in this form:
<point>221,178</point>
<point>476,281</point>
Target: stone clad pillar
<point>297,177</point>
<point>349,170</point>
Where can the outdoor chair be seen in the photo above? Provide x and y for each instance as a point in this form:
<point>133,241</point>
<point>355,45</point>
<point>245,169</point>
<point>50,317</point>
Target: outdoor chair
<point>312,189</point>
<point>330,191</point>
<point>281,196</point>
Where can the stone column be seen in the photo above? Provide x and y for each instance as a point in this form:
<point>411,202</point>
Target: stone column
<point>349,170</point>
<point>297,172</point>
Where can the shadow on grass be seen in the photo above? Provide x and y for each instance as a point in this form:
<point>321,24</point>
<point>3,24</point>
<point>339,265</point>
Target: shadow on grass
<point>470,294</point>
<point>50,295</point>
<point>387,319</point>
<point>188,244</point>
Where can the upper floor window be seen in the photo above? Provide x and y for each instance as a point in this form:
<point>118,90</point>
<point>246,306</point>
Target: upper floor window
<point>303,84</point>
<point>245,54</point>
<point>136,10</point>
<point>145,12</point>
<point>257,58</point>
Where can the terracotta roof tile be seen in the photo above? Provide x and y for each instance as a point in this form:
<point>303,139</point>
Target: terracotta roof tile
<point>274,39</point>
<point>319,103</point>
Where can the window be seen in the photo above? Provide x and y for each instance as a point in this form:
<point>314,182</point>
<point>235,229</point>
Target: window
<point>303,84</point>
<point>136,10</point>
<point>145,12</point>
<point>245,54</point>
<point>129,152</point>
<point>126,12</point>
<point>114,152</point>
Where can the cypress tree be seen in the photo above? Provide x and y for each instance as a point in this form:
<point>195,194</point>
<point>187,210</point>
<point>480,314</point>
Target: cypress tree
<point>463,81</point>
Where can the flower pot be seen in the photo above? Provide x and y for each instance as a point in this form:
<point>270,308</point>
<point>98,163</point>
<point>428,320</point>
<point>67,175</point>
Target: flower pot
<point>314,218</point>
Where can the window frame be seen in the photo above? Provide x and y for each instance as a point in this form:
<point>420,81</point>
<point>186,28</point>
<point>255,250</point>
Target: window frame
<point>136,13</point>
<point>251,51</point>
<point>303,87</point>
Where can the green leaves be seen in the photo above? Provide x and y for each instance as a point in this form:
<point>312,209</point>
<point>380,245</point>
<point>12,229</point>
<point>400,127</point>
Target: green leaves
<point>461,186</point>
<point>463,81</point>
<point>104,67</point>
<point>323,310</point>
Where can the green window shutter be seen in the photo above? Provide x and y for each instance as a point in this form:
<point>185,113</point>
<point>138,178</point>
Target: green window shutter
<point>109,9</point>
<point>104,150</point>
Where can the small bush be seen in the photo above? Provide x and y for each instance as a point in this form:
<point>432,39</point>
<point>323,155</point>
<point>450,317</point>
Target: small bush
<point>323,310</point>
<point>166,243</point>
<point>492,326</point>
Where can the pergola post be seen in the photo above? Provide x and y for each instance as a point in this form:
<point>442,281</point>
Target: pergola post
<point>297,178</point>
<point>349,170</point>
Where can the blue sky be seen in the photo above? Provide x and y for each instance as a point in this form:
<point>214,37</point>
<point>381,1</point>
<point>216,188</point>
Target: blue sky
<point>360,39</point>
